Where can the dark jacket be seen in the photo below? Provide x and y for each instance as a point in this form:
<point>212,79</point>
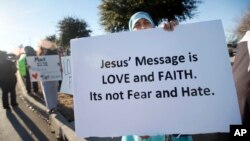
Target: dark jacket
<point>7,72</point>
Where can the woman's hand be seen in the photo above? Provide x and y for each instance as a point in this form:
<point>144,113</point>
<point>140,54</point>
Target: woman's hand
<point>169,26</point>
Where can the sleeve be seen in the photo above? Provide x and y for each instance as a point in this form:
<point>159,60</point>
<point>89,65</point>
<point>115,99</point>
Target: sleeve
<point>22,65</point>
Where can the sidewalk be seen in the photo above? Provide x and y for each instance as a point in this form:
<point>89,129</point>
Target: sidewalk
<point>21,123</point>
<point>62,128</point>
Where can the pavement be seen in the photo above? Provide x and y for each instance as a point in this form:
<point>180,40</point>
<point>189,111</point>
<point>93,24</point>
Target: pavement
<point>62,129</point>
<point>22,123</point>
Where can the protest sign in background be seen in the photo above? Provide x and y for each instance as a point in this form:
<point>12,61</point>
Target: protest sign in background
<point>66,86</point>
<point>154,82</point>
<point>44,68</point>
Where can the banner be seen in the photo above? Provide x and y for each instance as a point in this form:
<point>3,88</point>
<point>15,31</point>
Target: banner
<point>44,68</point>
<point>66,86</point>
<point>154,82</point>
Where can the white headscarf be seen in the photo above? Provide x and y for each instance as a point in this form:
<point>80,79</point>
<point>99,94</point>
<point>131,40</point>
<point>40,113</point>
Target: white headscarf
<point>137,16</point>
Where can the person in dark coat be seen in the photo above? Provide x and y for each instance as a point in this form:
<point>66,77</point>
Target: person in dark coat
<point>8,80</point>
<point>29,51</point>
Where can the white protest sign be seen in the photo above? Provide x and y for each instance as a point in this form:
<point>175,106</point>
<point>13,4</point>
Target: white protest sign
<point>154,82</point>
<point>44,68</point>
<point>66,86</point>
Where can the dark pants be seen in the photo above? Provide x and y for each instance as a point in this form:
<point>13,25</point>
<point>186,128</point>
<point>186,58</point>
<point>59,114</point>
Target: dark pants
<point>28,84</point>
<point>9,88</point>
<point>59,85</point>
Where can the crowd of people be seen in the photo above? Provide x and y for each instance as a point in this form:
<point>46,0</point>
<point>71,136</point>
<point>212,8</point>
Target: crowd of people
<point>138,21</point>
<point>10,64</point>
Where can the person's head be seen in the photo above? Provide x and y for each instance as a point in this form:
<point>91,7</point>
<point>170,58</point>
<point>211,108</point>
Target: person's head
<point>3,55</point>
<point>12,57</point>
<point>45,46</point>
<point>60,50</point>
<point>29,51</point>
<point>140,20</point>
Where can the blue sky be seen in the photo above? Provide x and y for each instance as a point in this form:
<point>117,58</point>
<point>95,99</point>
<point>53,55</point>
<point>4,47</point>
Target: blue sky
<point>28,21</point>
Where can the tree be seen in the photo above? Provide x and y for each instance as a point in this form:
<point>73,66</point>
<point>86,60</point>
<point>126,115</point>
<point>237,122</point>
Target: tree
<point>71,28</point>
<point>244,25</point>
<point>115,14</point>
<point>52,38</point>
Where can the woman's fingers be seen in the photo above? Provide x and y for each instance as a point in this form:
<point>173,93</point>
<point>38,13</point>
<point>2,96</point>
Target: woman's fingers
<point>166,26</point>
<point>169,26</point>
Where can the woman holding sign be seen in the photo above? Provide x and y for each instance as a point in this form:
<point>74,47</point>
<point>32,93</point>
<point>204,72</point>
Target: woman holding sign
<point>49,88</point>
<point>140,21</point>
<point>29,51</point>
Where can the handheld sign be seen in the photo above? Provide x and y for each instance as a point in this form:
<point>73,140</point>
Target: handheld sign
<point>154,82</point>
<point>66,86</point>
<point>44,68</point>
